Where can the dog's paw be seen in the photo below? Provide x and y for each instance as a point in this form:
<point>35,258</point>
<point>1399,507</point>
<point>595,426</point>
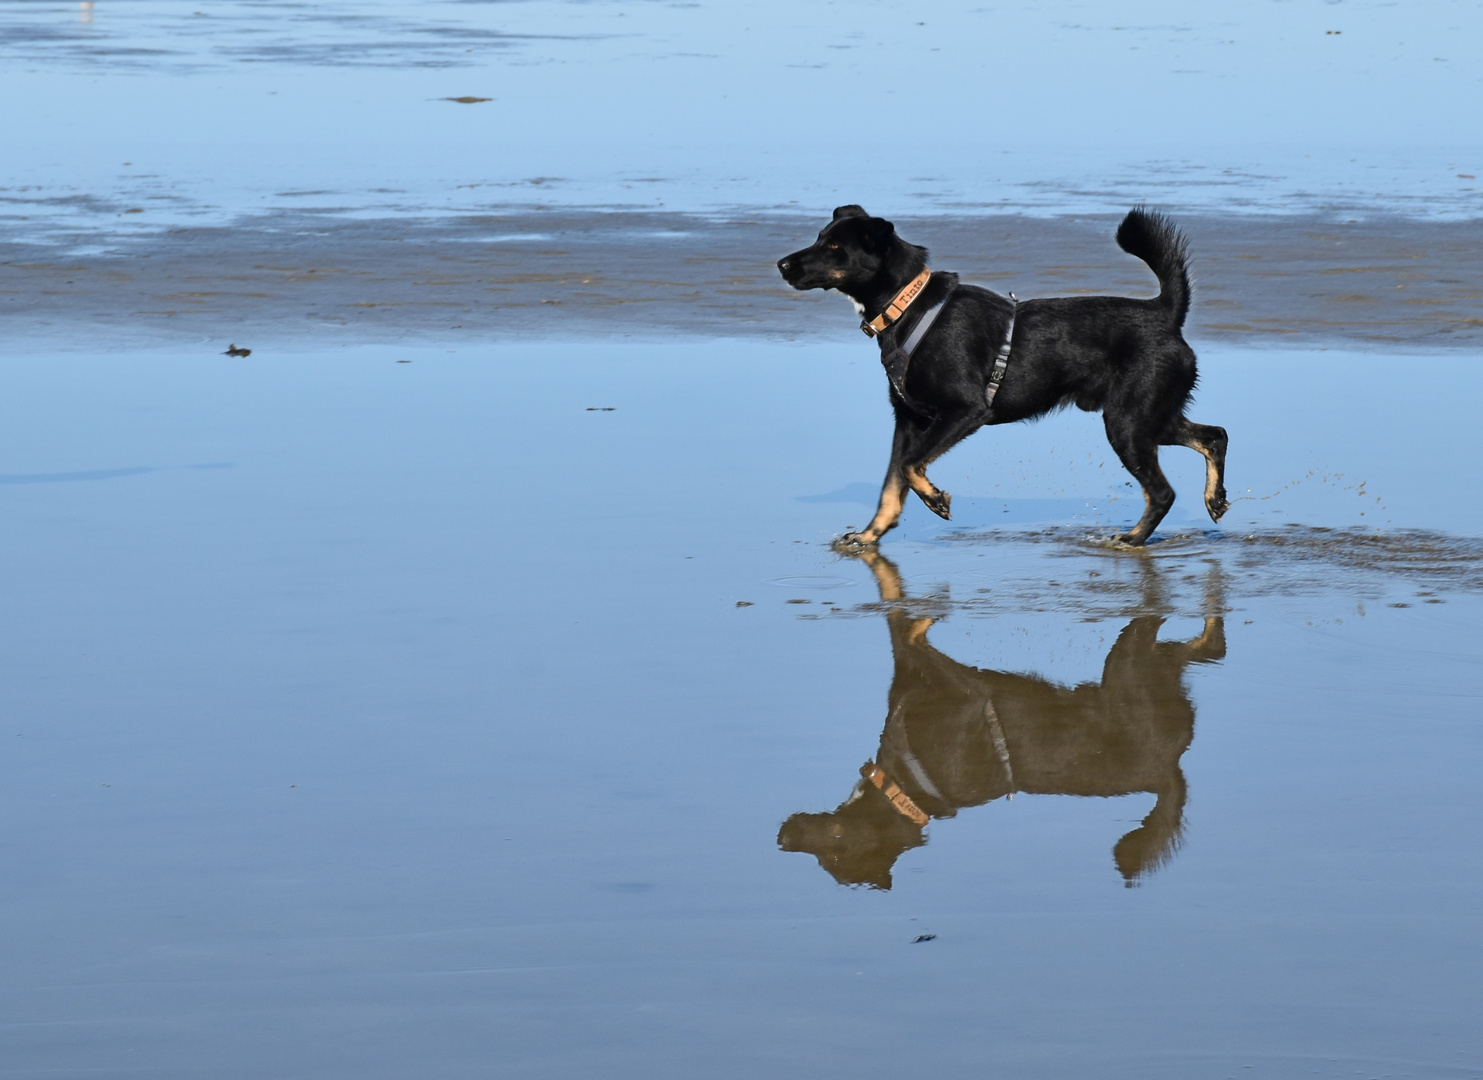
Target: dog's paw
<point>1218,504</point>
<point>856,541</point>
<point>939,502</point>
<point>1129,539</point>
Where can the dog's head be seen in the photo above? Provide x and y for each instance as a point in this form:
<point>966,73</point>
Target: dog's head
<point>856,844</point>
<point>852,254</point>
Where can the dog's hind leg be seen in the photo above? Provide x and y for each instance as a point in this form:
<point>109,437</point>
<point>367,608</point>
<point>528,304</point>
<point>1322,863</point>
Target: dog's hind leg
<point>1210,441</point>
<point>945,432</point>
<point>1140,456</point>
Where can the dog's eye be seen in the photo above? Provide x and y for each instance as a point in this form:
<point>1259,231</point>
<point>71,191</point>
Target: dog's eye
<point>833,247</point>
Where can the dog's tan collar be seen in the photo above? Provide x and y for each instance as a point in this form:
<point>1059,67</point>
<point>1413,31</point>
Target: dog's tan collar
<point>889,788</point>
<point>897,307</point>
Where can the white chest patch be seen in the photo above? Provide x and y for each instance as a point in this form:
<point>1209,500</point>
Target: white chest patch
<point>859,307</point>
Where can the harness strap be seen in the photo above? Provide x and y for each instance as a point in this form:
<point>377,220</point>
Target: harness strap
<point>898,305</point>
<point>919,331</point>
<point>1001,360</point>
<point>898,359</point>
<point>1001,744</point>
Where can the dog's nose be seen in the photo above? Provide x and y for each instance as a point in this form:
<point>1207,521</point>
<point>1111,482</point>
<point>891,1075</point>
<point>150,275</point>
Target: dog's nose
<point>784,266</point>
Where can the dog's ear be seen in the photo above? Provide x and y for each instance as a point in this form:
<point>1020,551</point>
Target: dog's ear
<point>879,232</point>
<point>849,211</point>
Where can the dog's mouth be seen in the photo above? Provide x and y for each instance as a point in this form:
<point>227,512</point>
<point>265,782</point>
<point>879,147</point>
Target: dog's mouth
<point>795,273</point>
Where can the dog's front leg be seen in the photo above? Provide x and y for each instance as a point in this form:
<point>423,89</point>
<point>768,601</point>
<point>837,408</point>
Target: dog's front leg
<point>932,496</point>
<point>893,491</point>
<point>945,432</point>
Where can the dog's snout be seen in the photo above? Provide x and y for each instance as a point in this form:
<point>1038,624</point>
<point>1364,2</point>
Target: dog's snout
<point>785,265</point>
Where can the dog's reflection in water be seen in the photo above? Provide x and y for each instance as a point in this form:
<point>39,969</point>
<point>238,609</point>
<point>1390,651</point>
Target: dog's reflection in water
<point>958,736</point>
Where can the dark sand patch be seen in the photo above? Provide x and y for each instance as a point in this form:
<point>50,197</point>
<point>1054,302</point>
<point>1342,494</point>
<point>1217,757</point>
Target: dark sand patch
<point>1400,285</point>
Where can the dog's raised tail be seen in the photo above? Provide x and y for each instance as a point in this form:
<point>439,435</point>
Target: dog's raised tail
<point>1153,238</point>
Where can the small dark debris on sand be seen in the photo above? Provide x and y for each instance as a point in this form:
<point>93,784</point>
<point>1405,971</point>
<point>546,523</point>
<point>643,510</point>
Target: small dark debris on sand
<point>468,99</point>
<point>602,408</point>
<point>798,601</point>
<point>923,937</point>
<point>233,350</point>
<point>744,603</point>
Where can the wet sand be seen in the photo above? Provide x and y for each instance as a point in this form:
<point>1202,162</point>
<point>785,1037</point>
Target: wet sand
<point>1387,284</point>
<point>371,718</point>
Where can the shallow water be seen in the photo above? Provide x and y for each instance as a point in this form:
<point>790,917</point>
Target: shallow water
<point>372,718</point>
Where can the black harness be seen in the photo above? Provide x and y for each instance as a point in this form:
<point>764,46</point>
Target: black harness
<point>899,359</point>
<point>1001,360</point>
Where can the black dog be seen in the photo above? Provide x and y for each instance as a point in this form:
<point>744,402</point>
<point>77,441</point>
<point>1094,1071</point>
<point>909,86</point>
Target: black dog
<point>1123,356</point>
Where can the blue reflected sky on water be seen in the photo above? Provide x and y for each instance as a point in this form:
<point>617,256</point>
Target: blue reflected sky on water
<point>371,719</point>
<point>223,108</point>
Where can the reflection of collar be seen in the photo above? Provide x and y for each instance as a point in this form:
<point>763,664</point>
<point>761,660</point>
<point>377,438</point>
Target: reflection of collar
<point>892,791</point>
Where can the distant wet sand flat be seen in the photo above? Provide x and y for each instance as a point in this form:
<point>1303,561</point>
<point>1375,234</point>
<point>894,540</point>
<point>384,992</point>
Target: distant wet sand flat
<point>1397,284</point>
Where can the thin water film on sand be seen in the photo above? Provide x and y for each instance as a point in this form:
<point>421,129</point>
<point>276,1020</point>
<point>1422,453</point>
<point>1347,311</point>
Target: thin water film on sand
<point>307,730</point>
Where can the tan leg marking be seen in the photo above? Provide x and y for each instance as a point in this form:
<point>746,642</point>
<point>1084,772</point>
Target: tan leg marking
<point>936,500</point>
<point>1212,477</point>
<point>888,580</point>
<point>1213,625</point>
<point>917,478</point>
<point>1136,535</point>
<point>1215,497</point>
<point>887,577</point>
<point>1215,492</point>
<point>887,513</point>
